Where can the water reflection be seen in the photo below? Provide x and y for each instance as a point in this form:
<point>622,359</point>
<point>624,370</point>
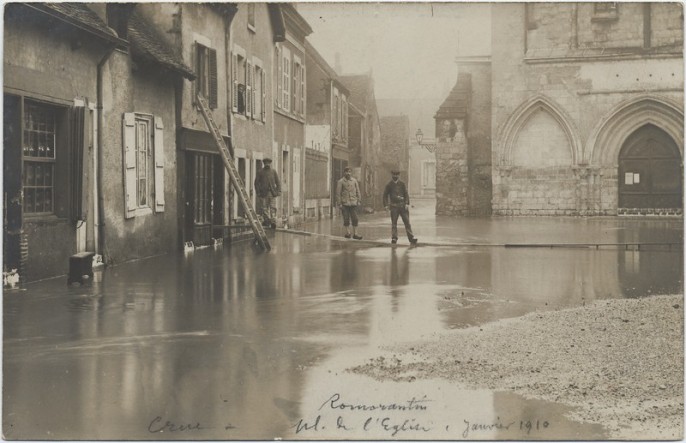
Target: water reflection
<point>243,342</point>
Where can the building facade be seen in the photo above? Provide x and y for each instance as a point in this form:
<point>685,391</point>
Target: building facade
<point>138,157</point>
<point>589,116</point>
<point>364,139</point>
<point>252,107</point>
<point>290,112</point>
<point>326,135</point>
<point>50,94</point>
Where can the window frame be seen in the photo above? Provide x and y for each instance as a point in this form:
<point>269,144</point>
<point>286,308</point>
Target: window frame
<point>206,82</point>
<point>39,161</point>
<point>286,79</point>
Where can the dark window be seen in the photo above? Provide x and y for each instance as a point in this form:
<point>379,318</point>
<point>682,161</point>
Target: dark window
<point>206,70</point>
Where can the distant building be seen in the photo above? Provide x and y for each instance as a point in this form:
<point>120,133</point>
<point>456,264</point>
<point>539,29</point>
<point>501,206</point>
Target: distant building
<point>395,146</point>
<point>326,135</point>
<point>421,170</point>
<point>587,112</point>
<point>364,138</point>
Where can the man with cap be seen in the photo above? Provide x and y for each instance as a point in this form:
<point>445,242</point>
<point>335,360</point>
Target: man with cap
<point>397,199</point>
<point>268,187</point>
<point>348,196</point>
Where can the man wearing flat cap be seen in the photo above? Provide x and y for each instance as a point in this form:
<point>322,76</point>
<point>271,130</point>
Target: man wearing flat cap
<point>268,187</point>
<point>397,199</point>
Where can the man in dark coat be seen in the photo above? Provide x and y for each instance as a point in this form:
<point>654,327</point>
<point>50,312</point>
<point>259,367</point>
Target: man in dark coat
<point>268,187</point>
<point>397,199</point>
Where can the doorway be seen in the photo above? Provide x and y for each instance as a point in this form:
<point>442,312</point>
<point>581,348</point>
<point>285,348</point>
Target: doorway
<point>206,196</point>
<point>650,171</point>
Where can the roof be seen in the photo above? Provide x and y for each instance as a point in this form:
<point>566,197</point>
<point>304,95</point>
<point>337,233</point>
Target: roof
<point>455,105</point>
<point>359,87</point>
<point>80,16</point>
<point>294,21</point>
<point>146,43</point>
<point>312,52</point>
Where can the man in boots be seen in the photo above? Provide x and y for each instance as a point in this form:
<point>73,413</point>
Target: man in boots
<point>348,196</point>
<point>397,199</point>
<point>268,187</point>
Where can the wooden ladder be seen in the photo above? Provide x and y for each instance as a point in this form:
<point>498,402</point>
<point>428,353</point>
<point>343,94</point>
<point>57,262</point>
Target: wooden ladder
<point>236,180</point>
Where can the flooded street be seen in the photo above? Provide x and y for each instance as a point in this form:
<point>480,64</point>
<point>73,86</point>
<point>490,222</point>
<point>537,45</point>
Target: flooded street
<point>231,343</point>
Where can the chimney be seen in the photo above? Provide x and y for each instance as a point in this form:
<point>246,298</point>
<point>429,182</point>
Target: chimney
<point>337,65</point>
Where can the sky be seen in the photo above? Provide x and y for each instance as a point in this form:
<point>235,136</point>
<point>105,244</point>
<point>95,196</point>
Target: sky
<point>409,47</point>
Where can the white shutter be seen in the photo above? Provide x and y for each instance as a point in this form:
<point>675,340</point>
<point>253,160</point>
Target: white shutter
<point>129,138</point>
<point>234,78</point>
<point>279,76</point>
<point>248,89</point>
<point>302,91</point>
<point>159,165</point>
<point>264,95</point>
<point>253,82</point>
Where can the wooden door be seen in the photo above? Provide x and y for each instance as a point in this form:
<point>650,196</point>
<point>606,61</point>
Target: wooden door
<point>650,171</point>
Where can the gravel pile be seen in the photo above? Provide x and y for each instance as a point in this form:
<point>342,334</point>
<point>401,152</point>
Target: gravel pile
<point>618,362</point>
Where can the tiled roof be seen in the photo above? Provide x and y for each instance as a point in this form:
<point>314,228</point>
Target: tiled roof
<point>147,44</point>
<point>455,106</point>
<point>79,15</point>
<point>359,87</point>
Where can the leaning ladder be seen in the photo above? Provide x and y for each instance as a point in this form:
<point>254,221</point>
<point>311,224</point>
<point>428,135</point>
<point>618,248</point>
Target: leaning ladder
<point>236,180</point>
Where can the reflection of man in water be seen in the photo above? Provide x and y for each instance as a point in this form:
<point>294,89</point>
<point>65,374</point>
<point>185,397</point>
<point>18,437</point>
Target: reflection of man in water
<point>400,272</point>
<point>344,270</point>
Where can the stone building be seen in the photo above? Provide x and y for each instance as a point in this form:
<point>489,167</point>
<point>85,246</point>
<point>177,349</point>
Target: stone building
<point>587,113</point>
<point>463,154</point>
<point>364,138</point>
<point>326,135</point>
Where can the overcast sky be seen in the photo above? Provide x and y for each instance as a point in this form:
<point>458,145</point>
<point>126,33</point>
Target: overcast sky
<point>410,48</point>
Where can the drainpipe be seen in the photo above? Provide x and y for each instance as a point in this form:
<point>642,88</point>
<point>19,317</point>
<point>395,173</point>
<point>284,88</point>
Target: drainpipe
<point>100,220</point>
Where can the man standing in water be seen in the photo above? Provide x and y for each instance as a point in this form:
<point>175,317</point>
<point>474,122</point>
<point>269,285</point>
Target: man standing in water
<point>268,187</point>
<point>348,196</point>
<point>397,199</point>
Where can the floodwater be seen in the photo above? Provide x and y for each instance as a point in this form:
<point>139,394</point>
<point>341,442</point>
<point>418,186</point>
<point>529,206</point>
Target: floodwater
<point>232,343</point>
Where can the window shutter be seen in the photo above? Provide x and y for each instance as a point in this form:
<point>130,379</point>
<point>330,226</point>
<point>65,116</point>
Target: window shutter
<point>234,77</point>
<point>279,77</point>
<point>248,89</point>
<point>253,82</point>
<point>196,83</point>
<point>264,95</point>
<point>302,91</point>
<point>212,78</point>
<point>129,137</point>
<point>79,136</point>
<point>159,164</point>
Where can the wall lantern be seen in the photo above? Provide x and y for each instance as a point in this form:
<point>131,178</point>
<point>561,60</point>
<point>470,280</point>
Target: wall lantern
<point>431,147</point>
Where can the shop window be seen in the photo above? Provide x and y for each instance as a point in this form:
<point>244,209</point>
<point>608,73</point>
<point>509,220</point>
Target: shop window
<point>39,158</point>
